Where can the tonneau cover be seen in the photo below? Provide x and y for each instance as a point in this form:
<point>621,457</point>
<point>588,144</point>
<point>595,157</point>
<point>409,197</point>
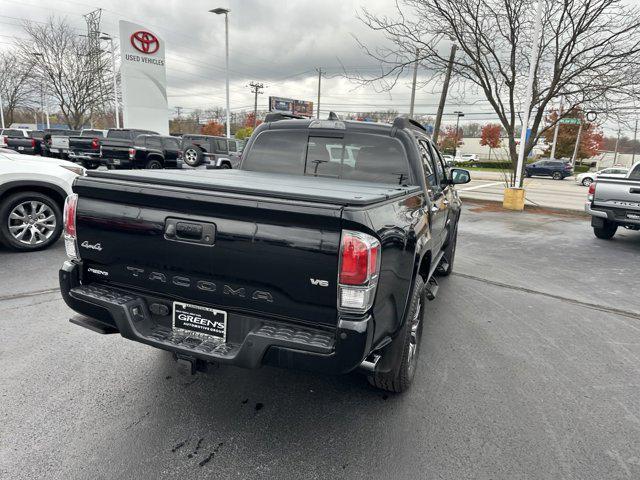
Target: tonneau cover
<point>294,187</point>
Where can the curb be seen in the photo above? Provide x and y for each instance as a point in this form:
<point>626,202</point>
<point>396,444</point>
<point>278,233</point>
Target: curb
<point>528,207</point>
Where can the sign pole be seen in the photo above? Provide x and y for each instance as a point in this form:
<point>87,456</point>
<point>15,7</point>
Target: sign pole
<point>556,131</point>
<point>577,147</point>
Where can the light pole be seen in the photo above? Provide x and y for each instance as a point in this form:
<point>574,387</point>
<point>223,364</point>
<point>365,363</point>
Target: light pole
<point>1,110</point>
<point>106,36</point>
<point>225,11</point>
<point>533,61</point>
<point>39,55</point>
<point>455,147</point>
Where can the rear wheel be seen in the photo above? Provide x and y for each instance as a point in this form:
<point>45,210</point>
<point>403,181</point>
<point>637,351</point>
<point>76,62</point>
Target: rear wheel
<point>225,165</point>
<point>193,156</point>
<point>527,174</point>
<point>401,375</point>
<point>29,221</point>
<point>607,231</point>
<point>153,164</point>
<point>557,176</point>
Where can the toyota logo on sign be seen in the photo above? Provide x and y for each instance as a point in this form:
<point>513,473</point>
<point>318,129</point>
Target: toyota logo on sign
<point>145,42</point>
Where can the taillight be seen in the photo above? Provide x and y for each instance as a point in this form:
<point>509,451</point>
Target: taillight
<point>132,152</point>
<point>592,191</point>
<point>95,144</point>
<point>359,269</point>
<point>70,244</point>
<point>33,143</point>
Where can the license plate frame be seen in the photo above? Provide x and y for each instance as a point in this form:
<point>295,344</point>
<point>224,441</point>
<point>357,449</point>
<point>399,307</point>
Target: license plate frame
<point>205,322</point>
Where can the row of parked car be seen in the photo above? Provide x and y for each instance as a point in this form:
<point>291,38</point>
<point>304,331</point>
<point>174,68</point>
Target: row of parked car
<point>118,148</point>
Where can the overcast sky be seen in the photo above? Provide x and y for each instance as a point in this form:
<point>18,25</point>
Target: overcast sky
<point>277,42</point>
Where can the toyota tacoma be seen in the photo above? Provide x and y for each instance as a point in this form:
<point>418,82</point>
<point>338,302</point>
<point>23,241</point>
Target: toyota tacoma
<point>320,252</point>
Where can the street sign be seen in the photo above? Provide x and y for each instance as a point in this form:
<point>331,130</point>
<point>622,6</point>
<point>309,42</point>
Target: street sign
<point>570,121</point>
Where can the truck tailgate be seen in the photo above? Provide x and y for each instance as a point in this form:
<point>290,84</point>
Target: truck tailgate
<point>617,193</point>
<point>227,250</point>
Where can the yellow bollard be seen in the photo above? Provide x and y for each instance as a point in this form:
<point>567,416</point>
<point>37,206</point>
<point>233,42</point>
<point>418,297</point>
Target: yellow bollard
<point>513,199</point>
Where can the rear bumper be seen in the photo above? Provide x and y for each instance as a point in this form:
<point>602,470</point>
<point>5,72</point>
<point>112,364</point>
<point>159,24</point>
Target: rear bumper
<point>84,157</point>
<point>116,162</point>
<point>251,341</point>
<point>619,216</point>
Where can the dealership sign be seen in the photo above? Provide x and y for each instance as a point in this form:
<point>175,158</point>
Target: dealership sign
<point>291,106</point>
<point>144,79</point>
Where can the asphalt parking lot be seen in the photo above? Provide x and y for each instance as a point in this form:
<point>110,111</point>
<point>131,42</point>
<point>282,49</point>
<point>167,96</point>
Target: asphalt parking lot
<point>530,369</point>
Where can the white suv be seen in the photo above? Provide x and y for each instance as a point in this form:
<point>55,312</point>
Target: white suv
<point>32,195</point>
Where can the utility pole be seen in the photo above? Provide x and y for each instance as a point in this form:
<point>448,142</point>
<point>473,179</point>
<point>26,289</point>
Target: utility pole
<point>178,111</point>
<point>635,139</point>
<point>319,85</point>
<point>443,95</point>
<point>256,88</point>
<point>535,47</point>
<point>413,84</point>
<point>556,131</point>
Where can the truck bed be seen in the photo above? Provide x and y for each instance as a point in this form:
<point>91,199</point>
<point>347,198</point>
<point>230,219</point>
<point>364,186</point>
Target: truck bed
<point>290,187</point>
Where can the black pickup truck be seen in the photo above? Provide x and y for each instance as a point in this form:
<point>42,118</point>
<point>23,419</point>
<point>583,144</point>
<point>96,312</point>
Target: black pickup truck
<point>27,142</point>
<point>85,148</point>
<point>318,253</point>
<point>145,151</point>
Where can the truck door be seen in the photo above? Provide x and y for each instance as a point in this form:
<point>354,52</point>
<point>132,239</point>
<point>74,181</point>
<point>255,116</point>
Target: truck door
<point>439,203</point>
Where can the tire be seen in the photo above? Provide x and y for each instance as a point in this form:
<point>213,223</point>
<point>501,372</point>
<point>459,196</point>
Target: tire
<point>607,231</point>
<point>90,165</point>
<point>19,232</point>
<point>527,174</point>
<point>153,164</point>
<point>225,166</point>
<point>401,375</point>
<point>557,176</point>
<point>587,181</point>
<point>449,255</point>
<point>193,156</point>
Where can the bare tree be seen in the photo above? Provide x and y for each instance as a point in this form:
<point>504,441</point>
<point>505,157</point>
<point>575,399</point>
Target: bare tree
<point>14,84</point>
<point>61,62</point>
<point>589,53</point>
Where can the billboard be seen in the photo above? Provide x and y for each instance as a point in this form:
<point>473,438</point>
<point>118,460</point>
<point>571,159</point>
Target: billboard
<point>144,79</point>
<point>290,105</point>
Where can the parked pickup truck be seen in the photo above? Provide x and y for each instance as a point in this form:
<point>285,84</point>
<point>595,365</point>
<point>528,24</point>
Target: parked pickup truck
<point>220,152</point>
<point>28,142</point>
<point>56,142</point>
<point>614,202</point>
<point>85,148</point>
<point>145,151</point>
<point>301,258</point>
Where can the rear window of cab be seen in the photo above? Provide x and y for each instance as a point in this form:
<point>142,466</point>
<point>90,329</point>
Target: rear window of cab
<point>354,156</point>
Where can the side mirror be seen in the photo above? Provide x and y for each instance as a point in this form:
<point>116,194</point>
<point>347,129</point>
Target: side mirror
<point>459,176</point>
